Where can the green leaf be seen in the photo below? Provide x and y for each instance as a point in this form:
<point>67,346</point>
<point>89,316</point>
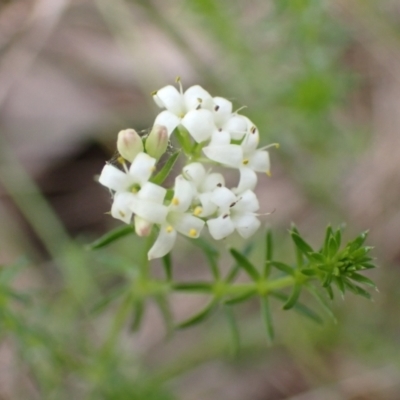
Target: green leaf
<point>357,289</point>
<point>309,272</point>
<point>236,267</point>
<point>104,301</point>
<point>267,317</point>
<point>283,267</point>
<point>205,287</point>
<point>339,283</point>
<point>268,253</point>
<point>301,244</point>
<point>230,316</point>
<point>167,263</point>
<point>317,258</point>
<point>338,237</point>
<point>299,307</point>
<point>166,169</point>
<point>329,291</point>
<point>139,308</point>
<point>165,310</point>
<point>245,264</point>
<point>200,316</point>
<point>357,242</point>
<point>293,297</point>
<point>111,236</point>
<point>328,235</point>
<point>333,247</point>
<point>362,279</point>
<point>322,301</point>
<point>241,298</point>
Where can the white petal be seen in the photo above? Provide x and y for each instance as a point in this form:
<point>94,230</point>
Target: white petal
<point>248,180</point>
<point>183,194</point>
<point>220,138</point>
<point>246,225</point>
<point>230,155</point>
<point>152,212</point>
<point>200,124</point>
<point>195,96</point>
<point>222,110</point>
<point>220,227</point>
<point>169,98</point>
<point>211,182</point>
<point>167,119</point>
<point>208,206</point>
<point>164,243</point>
<point>120,208</point>
<point>250,142</point>
<point>236,125</point>
<point>248,202</point>
<point>259,161</point>
<point>194,172</point>
<point>114,179</point>
<point>223,197</point>
<point>142,168</point>
<point>152,192</point>
<point>186,224</point>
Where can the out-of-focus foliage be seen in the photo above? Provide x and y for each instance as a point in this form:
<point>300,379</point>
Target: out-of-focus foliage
<point>320,78</point>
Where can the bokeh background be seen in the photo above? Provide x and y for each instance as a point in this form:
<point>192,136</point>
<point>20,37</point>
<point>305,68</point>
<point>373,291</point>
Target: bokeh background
<point>321,77</point>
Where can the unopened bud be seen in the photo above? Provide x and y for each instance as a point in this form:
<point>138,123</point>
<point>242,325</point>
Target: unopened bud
<point>142,227</point>
<point>157,141</point>
<point>129,144</point>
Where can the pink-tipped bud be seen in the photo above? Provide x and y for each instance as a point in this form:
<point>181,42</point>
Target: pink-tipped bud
<point>142,227</point>
<point>129,144</point>
<point>157,141</point>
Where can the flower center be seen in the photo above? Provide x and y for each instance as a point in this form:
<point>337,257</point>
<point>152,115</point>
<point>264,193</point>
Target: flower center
<point>193,232</point>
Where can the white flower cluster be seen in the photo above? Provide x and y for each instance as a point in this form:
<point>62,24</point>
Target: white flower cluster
<point>209,132</point>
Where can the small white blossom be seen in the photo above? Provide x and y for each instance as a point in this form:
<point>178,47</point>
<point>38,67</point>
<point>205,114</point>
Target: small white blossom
<point>235,213</point>
<point>171,219</point>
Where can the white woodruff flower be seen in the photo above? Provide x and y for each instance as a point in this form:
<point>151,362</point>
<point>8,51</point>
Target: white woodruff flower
<point>129,144</point>
<point>187,108</point>
<point>235,213</point>
<point>171,219</point>
<point>204,183</point>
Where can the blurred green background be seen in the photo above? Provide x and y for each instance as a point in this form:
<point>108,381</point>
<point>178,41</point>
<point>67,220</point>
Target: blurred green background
<point>321,77</point>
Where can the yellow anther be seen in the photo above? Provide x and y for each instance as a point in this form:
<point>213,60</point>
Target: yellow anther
<point>154,92</point>
<point>122,214</point>
<point>245,161</point>
<point>134,189</point>
<point>121,160</point>
<point>277,145</point>
<point>197,211</point>
<point>181,115</point>
<point>193,232</point>
<point>177,79</point>
<point>169,229</point>
<point>268,172</point>
<point>175,201</point>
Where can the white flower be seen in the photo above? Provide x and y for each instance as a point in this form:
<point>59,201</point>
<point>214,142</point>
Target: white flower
<point>127,184</point>
<point>245,157</point>
<point>192,109</point>
<point>235,213</point>
<point>172,219</point>
<point>204,183</point>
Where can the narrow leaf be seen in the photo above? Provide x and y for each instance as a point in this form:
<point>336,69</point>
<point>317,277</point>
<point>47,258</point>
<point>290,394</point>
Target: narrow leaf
<point>293,297</point>
<point>267,318</point>
<point>357,242</point>
<point>107,299</point>
<point>139,308</point>
<point>165,170</point>
<point>299,307</point>
<point>301,244</point>
<point>211,253</point>
<point>322,301</point>
<point>200,316</point>
<point>167,263</point>
<point>245,264</point>
<point>283,267</point>
<point>241,298</point>
<point>333,247</point>
<point>268,253</point>
<point>205,287</point>
<point>236,267</point>
<point>111,236</point>
<point>362,279</point>
<point>165,310</point>
<point>328,235</point>
<point>357,289</point>
<point>230,316</point>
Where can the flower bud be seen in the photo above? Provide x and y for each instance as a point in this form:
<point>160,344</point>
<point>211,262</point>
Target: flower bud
<point>142,227</point>
<point>129,144</point>
<point>157,141</point>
